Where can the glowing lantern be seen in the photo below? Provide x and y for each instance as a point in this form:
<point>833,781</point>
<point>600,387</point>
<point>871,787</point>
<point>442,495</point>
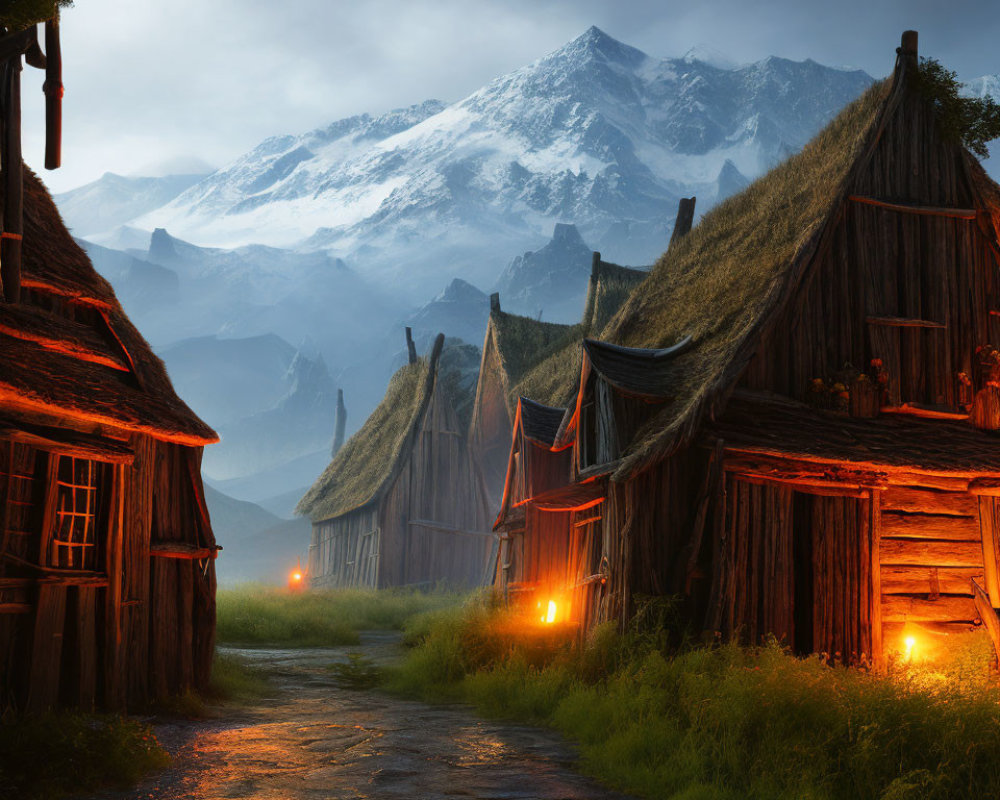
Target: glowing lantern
<point>296,579</point>
<point>550,613</point>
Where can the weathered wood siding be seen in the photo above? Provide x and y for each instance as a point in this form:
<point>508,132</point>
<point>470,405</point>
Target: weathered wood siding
<point>430,525</point>
<point>130,628</point>
<point>491,428</point>
<point>881,264</point>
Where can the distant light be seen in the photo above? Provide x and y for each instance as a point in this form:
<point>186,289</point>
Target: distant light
<point>296,576</point>
<point>910,642</point>
<point>550,615</point>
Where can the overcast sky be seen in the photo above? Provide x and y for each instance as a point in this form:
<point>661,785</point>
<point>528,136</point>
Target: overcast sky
<point>155,87</point>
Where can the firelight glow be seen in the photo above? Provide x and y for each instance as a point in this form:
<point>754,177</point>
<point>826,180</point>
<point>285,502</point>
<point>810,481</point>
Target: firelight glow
<point>550,613</point>
<point>910,642</point>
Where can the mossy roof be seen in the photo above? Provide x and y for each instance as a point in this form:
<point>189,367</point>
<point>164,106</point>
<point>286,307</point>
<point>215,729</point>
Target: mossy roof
<point>609,288</point>
<point>365,463</point>
<point>523,342</point>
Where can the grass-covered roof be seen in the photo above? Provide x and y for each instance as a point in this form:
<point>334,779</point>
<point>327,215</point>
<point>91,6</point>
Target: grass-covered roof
<point>522,341</point>
<point>366,461</point>
<point>609,288</point>
<point>16,15</point>
<point>721,281</point>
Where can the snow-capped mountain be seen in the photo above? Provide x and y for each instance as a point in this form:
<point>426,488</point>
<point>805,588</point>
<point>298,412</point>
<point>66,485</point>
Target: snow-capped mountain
<point>596,133</point>
<point>112,200</point>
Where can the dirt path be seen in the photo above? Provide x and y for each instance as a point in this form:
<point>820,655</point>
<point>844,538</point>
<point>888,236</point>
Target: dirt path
<point>315,740</point>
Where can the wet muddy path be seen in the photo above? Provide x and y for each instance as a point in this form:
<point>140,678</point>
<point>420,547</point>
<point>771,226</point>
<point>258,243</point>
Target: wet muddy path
<point>316,740</point>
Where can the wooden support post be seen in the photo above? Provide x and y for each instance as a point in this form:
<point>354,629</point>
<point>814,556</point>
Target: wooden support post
<point>988,520</point>
<point>685,218</point>
<point>988,615</point>
<point>13,183</point>
<point>410,346</point>
<point>495,303</point>
<point>341,423</point>
<point>53,88</point>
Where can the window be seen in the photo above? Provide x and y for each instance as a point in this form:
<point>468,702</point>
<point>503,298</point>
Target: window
<point>75,543</point>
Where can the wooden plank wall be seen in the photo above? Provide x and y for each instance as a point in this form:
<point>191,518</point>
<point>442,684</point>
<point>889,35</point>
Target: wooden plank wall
<point>141,628</point>
<point>431,525</point>
<point>784,558</point>
<point>345,551</point>
<point>883,263</point>
<point>931,548</point>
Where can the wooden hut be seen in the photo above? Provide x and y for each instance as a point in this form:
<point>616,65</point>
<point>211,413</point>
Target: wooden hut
<point>513,345</point>
<point>796,426</point>
<point>402,503</point>
<point>107,578</point>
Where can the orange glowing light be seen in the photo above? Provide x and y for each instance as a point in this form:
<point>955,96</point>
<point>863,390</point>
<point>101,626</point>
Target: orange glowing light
<point>296,576</point>
<point>910,643</point>
<point>550,613</point>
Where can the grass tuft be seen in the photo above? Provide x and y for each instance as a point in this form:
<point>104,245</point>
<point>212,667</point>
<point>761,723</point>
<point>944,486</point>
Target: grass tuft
<point>53,755</point>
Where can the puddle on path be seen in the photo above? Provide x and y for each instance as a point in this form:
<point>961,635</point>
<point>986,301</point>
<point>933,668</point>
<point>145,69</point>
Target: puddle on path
<point>314,741</point>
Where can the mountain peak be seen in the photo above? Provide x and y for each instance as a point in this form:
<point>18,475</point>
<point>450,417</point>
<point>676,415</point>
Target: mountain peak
<point>161,245</point>
<point>459,291</point>
<point>565,233</point>
<point>594,41</point>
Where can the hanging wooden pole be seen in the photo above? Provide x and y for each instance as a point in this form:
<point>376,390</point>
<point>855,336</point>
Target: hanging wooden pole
<point>13,183</point>
<point>53,88</point>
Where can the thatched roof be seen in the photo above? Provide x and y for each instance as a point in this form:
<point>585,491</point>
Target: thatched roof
<point>522,341</point>
<point>365,466</point>
<point>70,350</point>
<point>609,287</point>
<point>722,281</point>
<point>555,376</point>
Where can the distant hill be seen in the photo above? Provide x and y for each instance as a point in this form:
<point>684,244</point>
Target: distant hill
<point>257,545</point>
<point>112,200</point>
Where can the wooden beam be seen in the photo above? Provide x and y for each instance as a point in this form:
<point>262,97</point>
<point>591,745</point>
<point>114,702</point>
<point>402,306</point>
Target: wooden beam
<point>53,88</point>
<point>989,526</point>
<point>924,501</point>
<point>924,411</point>
<point>905,322</point>
<point>927,553</point>
<point>13,184</point>
<point>898,579</point>
<point>930,526</point>
<point>947,608</point>
<point>15,608</point>
<point>988,615</point>
<point>182,550</point>
<point>907,208</point>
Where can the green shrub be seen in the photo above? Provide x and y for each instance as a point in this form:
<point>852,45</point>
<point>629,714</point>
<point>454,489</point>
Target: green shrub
<point>59,753</point>
<point>972,121</point>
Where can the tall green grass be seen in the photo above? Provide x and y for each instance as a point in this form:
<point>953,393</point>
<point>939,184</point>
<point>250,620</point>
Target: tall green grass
<point>66,752</point>
<point>724,721</point>
<point>260,615</point>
